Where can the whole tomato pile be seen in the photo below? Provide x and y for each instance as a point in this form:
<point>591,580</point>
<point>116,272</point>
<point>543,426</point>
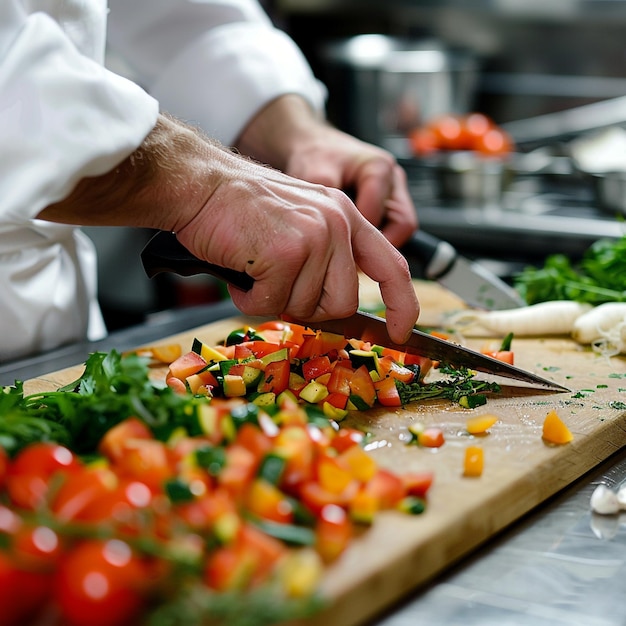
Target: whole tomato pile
<point>252,499</point>
<point>472,131</point>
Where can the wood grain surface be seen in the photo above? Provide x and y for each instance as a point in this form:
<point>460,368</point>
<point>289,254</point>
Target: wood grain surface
<point>399,552</point>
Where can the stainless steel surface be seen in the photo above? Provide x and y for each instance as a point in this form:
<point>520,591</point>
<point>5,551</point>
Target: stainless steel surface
<point>385,86</point>
<point>536,216</point>
<point>610,190</point>
<point>374,329</point>
<point>559,566</point>
<point>489,291</point>
<point>563,125</point>
<point>435,259</point>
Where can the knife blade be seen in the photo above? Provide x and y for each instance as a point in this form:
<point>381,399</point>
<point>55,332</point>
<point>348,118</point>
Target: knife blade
<point>472,282</point>
<point>372,328</point>
<point>164,253</point>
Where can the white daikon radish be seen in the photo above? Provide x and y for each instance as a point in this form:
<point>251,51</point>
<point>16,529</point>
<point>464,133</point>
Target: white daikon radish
<point>545,318</point>
<point>604,327</point>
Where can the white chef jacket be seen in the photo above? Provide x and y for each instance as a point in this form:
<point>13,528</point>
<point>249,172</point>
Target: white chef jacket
<point>63,117</point>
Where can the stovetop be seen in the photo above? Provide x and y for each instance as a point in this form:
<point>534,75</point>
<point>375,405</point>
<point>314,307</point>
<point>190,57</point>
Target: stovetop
<point>537,215</point>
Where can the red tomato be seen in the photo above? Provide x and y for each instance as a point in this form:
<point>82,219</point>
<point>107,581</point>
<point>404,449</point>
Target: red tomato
<point>507,356</point>
<point>333,532</point>
<point>346,438</point>
<point>30,472</point>
<point>473,127</point>
<point>187,364</point>
<point>448,132</point>
<point>494,142</point>
<point>316,367</point>
<point>423,141</point>
<point>387,487</point>
<point>276,377</point>
<point>266,550</point>
<point>113,443</point>
<point>4,466</point>
<point>80,490</point>
<point>99,583</point>
<point>147,460</point>
<point>431,437</point>
<point>36,548</point>
<point>387,392</point>
<point>23,594</point>
<point>417,483</point>
<point>362,385</point>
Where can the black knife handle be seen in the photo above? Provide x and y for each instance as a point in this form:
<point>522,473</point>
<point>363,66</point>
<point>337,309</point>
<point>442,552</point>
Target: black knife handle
<point>436,255</point>
<point>164,253</point>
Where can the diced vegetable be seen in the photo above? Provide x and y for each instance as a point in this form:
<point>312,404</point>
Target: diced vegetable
<point>554,429</point>
<point>473,461</point>
<point>480,424</point>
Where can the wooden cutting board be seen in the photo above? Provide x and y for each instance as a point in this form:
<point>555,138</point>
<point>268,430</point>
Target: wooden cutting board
<point>399,552</point>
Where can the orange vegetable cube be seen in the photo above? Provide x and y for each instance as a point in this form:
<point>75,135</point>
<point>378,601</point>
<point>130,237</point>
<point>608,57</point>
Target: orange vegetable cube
<point>480,424</point>
<point>473,462</point>
<point>554,430</point>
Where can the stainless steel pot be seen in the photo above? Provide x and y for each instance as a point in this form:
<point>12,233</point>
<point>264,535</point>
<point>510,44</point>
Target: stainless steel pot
<point>610,191</point>
<point>384,86</point>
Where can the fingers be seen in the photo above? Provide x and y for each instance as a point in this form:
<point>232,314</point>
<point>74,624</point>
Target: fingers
<point>390,269</point>
<point>384,200</point>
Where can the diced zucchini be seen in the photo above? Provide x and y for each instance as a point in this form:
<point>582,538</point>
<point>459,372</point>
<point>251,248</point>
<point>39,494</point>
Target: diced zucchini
<point>333,412</point>
<point>251,375</point>
<point>279,355</point>
<point>369,358</point>
<point>271,468</point>
<point>209,354</point>
<point>265,399</point>
<point>356,403</point>
<point>314,392</point>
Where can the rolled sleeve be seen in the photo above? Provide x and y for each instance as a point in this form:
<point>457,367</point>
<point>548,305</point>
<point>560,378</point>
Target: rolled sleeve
<point>63,116</point>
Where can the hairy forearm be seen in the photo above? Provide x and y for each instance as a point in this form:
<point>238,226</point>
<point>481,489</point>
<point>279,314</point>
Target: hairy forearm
<point>159,185</point>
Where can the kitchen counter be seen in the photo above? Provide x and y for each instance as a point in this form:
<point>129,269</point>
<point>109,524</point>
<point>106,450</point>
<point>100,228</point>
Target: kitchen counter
<point>558,565</point>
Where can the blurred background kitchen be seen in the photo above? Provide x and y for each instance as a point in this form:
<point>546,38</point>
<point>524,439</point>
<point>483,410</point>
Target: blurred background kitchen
<point>550,73</point>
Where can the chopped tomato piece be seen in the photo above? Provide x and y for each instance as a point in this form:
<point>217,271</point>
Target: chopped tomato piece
<point>315,367</point>
<point>431,437</point>
<point>186,365</point>
<point>362,385</point>
<point>333,532</point>
<point>417,483</point>
<point>276,378</point>
<point>387,392</point>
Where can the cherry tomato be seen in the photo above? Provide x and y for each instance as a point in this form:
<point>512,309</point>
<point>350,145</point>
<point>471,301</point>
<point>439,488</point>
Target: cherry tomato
<point>36,548</point>
<point>448,132</point>
<point>23,593</point>
<point>99,583</point>
<point>473,127</point>
<point>423,141</point>
<point>30,472</point>
<point>494,142</point>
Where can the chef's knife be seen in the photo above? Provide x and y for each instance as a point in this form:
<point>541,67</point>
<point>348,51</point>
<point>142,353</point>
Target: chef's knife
<point>374,329</point>
<point>469,280</point>
<point>164,253</point>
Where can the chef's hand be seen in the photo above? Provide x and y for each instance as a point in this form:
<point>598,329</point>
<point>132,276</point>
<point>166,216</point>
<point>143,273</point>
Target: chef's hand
<point>302,243</point>
<point>287,135</point>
